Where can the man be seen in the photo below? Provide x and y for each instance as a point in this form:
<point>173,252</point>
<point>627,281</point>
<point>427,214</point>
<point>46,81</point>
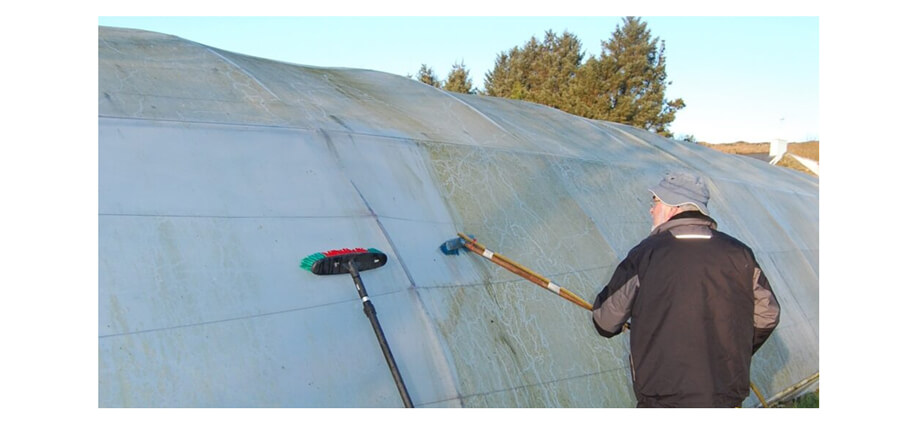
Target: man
<point>699,304</point>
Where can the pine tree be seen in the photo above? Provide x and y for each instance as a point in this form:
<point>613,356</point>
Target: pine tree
<point>502,80</point>
<point>627,83</point>
<point>560,59</point>
<point>427,76</point>
<point>458,80</point>
<point>540,72</point>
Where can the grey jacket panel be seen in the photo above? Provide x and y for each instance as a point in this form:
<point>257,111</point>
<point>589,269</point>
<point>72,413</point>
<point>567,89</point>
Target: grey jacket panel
<point>766,310</point>
<point>616,309</point>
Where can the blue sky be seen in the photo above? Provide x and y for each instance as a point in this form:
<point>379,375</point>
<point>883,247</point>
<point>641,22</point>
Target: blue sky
<point>743,78</point>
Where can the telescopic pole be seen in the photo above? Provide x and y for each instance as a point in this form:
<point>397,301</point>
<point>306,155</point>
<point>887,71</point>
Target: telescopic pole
<point>369,309</point>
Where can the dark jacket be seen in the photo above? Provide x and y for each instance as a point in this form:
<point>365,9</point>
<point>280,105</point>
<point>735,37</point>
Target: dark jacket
<point>699,305</point>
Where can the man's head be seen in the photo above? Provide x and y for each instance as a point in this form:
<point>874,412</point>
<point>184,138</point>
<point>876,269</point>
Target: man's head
<point>677,192</point>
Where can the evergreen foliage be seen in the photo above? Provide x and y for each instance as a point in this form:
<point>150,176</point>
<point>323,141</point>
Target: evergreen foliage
<point>626,84</point>
<point>427,75</point>
<point>632,85</point>
<point>540,72</point>
<point>458,80</point>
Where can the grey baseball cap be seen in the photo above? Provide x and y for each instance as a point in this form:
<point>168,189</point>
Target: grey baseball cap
<point>679,188</point>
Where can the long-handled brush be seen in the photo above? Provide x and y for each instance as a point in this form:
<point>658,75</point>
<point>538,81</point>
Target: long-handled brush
<point>452,247</point>
<point>353,261</point>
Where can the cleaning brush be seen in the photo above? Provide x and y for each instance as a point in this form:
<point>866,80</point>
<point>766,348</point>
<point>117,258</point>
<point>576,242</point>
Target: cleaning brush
<point>335,261</point>
<point>353,261</point>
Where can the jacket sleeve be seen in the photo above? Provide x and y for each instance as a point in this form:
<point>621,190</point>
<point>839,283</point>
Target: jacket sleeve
<point>612,307</point>
<point>766,310</point>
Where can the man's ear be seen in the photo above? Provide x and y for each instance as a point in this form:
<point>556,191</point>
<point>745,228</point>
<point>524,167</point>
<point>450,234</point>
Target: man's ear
<point>672,211</point>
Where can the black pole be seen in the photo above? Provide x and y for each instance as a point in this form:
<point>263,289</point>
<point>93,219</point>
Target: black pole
<point>369,309</point>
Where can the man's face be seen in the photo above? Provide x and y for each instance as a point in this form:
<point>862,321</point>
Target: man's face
<point>661,212</point>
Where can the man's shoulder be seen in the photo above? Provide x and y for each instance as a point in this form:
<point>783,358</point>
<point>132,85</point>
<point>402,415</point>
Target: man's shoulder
<point>649,243</point>
<point>724,237</point>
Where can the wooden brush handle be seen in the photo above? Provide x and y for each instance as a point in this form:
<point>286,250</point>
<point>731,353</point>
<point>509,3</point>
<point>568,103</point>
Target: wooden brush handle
<point>524,272</point>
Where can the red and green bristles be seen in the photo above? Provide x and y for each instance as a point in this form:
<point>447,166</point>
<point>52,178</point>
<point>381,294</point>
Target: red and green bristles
<point>307,263</point>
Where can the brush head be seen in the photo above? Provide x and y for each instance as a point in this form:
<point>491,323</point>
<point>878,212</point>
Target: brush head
<point>336,261</point>
<point>452,246</point>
